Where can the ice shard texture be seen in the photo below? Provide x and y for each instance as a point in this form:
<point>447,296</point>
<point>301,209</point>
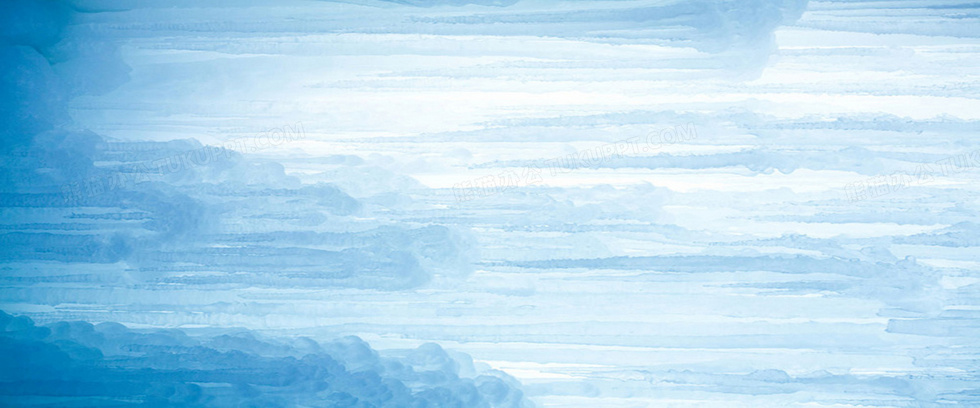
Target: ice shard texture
<point>490,203</point>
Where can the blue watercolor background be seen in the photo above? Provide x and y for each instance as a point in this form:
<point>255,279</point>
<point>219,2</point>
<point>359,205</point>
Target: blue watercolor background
<point>596,203</point>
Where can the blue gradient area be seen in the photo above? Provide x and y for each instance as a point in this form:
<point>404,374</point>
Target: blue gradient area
<point>597,203</point>
<point>78,364</point>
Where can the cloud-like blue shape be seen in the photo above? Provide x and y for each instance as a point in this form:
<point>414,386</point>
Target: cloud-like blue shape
<point>150,204</point>
<point>80,364</point>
